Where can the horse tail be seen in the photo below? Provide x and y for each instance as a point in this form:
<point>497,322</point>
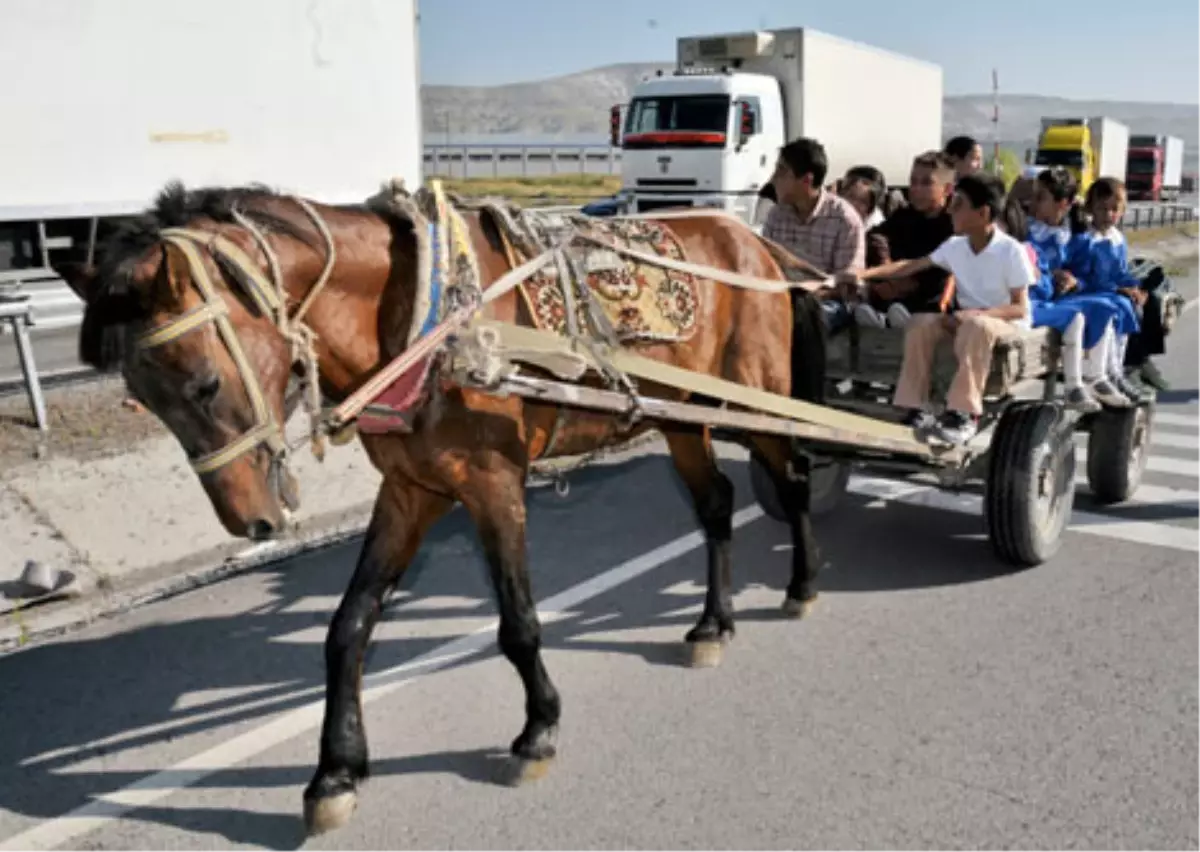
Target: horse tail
<point>808,348</point>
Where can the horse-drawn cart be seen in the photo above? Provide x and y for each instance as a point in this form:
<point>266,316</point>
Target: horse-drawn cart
<point>1024,454</point>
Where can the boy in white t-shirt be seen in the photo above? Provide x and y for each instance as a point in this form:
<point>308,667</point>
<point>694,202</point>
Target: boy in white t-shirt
<point>991,273</point>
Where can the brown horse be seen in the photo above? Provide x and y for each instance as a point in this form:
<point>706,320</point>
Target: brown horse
<point>185,347</point>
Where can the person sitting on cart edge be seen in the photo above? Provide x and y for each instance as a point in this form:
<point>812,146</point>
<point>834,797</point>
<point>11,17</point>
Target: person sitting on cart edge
<point>910,232</point>
<point>992,276</point>
<point>813,223</point>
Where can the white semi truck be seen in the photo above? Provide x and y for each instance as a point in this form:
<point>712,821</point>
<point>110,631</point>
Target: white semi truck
<point>105,101</point>
<point>708,134</point>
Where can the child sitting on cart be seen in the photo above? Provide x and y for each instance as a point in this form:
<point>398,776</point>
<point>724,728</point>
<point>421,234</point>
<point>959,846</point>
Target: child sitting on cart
<point>992,276</point>
<point>1086,324</point>
<point>1099,261</point>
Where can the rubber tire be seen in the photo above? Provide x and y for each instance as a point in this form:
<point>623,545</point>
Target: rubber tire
<point>1113,441</point>
<point>830,480</point>
<point>1026,433</point>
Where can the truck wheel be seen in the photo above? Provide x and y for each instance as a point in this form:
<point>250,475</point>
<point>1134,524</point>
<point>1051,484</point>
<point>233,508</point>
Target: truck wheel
<point>1117,452</point>
<point>1030,488</point>
<point>828,485</point>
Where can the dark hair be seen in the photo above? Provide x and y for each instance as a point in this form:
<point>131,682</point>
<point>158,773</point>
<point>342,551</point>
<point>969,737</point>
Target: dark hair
<point>960,147</point>
<point>1015,220</point>
<point>868,173</point>
<point>873,193</point>
<point>1061,185</point>
<point>1103,189</point>
<point>982,190</point>
<point>806,156</point>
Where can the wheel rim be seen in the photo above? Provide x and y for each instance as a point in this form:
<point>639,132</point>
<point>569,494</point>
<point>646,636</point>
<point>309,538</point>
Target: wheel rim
<point>1055,479</point>
<point>1138,443</point>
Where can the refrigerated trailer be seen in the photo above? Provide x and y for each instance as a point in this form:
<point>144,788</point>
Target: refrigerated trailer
<point>708,134</point>
<point>105,101</point>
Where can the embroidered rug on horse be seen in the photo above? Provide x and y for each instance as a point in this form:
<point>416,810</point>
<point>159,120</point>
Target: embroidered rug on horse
<point>642,301</point>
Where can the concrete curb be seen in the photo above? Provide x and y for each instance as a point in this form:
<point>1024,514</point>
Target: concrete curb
<point>20,628</point>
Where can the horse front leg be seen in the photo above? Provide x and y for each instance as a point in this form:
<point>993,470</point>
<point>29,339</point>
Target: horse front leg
<point>712,495</point>
<point>494,495</point>
<point>794,494</point>
<point>403,513</point>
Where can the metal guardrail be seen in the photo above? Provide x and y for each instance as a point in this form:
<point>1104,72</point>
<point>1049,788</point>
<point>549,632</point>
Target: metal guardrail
<point>499,161</point>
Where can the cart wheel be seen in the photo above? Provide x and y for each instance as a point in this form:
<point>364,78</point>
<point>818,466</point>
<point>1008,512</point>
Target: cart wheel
<point>828,485</point>
<point>1030,487</point>
<point>1117,452</point>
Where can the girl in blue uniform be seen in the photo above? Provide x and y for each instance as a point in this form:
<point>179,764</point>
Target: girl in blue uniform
<point>1084,325</point>
<point>1098,264</point>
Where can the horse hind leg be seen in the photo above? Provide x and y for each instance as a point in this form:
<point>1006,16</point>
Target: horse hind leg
<point>712,497</point>
<point>495,498</point>
<point>791,473</point>
<point>403,513</point>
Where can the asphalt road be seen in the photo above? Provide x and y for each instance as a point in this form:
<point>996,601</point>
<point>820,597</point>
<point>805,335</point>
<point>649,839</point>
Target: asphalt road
<point>933,699</point>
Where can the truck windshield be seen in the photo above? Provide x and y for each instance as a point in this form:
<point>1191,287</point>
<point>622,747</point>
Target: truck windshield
<point>1142,165</point>
<point>1050,157</point>
<point>677,121</point>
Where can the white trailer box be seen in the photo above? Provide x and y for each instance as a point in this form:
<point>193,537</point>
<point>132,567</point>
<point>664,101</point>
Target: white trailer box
<point>1172,170</point>
<point>1111,141</point>
<point>709,134</point>
<point>104,101</point>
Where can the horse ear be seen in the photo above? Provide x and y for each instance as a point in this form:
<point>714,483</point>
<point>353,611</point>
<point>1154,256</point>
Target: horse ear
<point>80,277</point>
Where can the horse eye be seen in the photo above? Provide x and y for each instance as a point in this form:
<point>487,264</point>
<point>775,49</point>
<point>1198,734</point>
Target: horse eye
<point>204,391</point>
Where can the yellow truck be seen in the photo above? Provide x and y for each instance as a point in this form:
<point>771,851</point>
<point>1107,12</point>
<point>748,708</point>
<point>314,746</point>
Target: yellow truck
<point>1088,147</point>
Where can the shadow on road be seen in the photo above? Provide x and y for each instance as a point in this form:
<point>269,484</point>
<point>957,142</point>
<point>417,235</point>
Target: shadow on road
<point>89,698</point>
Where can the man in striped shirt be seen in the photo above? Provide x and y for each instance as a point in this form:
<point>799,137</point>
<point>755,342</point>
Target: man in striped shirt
<point>813,223</point>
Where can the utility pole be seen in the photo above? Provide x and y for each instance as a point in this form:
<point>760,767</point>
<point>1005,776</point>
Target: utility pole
<point>996,169</point>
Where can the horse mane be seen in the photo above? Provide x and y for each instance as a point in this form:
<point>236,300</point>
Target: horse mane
<point>114,302</point>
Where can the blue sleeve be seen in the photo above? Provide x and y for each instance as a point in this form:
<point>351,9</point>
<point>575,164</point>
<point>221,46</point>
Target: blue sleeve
<point>1125,279</point>
<point>1078,261</point>
<point>1043,288</point>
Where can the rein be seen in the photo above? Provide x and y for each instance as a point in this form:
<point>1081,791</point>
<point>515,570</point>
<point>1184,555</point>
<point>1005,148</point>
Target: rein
<point>270,297</point>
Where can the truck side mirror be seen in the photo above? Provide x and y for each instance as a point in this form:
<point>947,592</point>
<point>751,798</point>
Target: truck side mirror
<point>747,122</point>
<point>614,126</point>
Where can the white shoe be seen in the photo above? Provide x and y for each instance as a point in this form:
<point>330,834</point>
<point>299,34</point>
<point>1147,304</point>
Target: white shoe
<point>1103,390</point>
<point>867,317</point>
<point>1079,398</point>
<point>898,315</point>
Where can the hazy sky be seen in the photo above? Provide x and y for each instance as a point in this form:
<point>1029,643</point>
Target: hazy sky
<point>1100,49</point>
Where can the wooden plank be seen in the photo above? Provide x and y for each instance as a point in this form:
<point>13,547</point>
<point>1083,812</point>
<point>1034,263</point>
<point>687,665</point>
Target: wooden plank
<point>879,353</point>
<point>522,338</point>
<point>616,402</point>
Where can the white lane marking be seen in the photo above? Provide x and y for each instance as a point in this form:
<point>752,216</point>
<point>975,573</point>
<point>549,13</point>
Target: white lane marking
<point>1155,495</point>
<point>284,726</point>
<point>1158,464</point>
<point>1140,532</point>
<point>1188,305</point>
<point>1170,418</point>
<point>1174,439</point>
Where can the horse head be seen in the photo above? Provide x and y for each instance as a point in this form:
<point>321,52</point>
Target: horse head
<point>206,358</point>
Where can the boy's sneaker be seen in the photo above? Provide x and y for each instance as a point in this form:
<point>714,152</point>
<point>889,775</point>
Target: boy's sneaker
<point>1104,391</point>
<point>920,422</point>
<point>956,427</point>
<point>867,317</point>
<point>1079,398</point>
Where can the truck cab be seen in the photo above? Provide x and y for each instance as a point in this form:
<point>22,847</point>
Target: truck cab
<point>704,140</point>
<point>1144,171</point>
<point>1070,146</point>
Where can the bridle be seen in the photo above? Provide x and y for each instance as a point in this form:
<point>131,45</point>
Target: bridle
<point>271,300</point>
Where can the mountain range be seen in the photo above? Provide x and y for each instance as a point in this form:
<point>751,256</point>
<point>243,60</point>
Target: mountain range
<point>577,105</point>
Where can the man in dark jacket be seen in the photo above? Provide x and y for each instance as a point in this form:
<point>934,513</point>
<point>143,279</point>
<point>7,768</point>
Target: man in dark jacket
<point>912,231</point>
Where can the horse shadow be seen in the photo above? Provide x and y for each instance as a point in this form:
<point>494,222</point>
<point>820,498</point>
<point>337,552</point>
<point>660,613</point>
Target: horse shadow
<point>154,676</point>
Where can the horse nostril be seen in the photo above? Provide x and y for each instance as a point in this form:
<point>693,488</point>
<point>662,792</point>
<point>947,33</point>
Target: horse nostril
<point>260,530</point>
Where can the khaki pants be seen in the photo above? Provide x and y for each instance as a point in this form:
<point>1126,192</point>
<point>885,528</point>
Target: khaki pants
<point>973,342</point>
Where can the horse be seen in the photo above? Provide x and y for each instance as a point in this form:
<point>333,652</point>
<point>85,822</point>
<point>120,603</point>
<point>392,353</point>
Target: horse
<point>199,346</point>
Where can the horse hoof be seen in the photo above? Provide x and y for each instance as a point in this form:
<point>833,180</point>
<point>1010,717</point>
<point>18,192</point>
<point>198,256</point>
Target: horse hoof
<point>329,813</point>
<point>706,654</point>
<point>526,770</point>
<point>798,609</point>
